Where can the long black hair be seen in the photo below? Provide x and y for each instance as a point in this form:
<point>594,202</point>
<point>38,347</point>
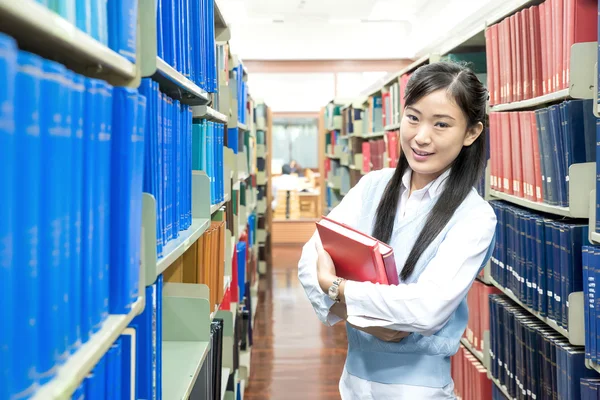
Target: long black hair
<point>471,96</point>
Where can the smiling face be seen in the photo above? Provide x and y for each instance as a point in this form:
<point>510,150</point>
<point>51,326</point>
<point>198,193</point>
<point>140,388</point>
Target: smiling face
<point>433,131</point>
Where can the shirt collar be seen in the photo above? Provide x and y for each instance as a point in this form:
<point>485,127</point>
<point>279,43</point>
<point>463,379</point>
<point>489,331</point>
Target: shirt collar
<point>434,188</point>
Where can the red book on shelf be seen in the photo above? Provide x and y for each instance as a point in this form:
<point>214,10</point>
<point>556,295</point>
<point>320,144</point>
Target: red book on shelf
<point>366,153</point>
<point>543,48</point>
<point>489,56</point>
<point>356,255</point>
<point>537,158</point>
<point>517,168</point>
<point>582,26</point>
<point>493,157</point>
<point>518,62</point>
<point>557,15</point>
<point>507,171</point>
<point>526,151</point>
<point>535,51</point>
<point>495,63</point>
<point>550,48</point>
<point>525,54</point>
<point>514,75</point>
<point>392,139</point>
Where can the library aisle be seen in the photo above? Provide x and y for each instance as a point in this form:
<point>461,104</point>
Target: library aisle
<point>294,356</point>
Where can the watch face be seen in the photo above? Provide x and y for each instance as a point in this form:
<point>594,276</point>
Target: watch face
<point>333,291</point>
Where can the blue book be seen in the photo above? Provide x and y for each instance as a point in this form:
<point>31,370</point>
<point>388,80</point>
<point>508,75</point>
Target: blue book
<point>26,205</point>
<point>559,168</point>
<point>67,187</point>
<point>138,140</point>
<point>597,225</point>
<point>169,170</point>
<point>103,212</point>
<point>589,130</point>
<point>96,382</point>
<point>114,375</point>
<point>56,142</point>
<point>75,292</point>
<point>84,16</point>
<point>8,292</point>
<point>102,17</point>
<point>158,337</point>
<point>91,128</point>
<point>122,27</point>
<point>176,171</point>
<point>565,268</point>
<point>221,160</point>
<point>124,144</point>
<point>585,253</point>
<point>160,52</point>
<point>549,250</point>
<point>79,393</point>
<point>127,342</point>
<point>546,152</point>
<point>556,278</point>
<point>595,303</point>
<point>591,302</point>
<point>540,258</point>
<point>160,225</point>
<point>241,259</point>
<point>175,31</point>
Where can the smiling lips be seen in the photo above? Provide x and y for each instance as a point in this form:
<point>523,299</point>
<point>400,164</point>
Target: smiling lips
<point>421,155</point>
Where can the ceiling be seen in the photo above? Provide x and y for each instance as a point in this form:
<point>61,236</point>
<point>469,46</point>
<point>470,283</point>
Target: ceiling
<point>320,29</point>
<point>344,29</point>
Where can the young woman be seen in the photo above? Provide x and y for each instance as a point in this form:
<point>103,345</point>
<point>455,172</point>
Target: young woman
<point>401,337</point>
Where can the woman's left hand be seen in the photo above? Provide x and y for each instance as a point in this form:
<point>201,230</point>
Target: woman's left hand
<point>325,267</point>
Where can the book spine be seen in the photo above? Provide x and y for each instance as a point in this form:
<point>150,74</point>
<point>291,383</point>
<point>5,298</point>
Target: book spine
<point>125,107</point>
<point>102,217</point>
<point>91,129</point>
<point>26,204</point>
<point>8,71</point>
<point>75,295</point>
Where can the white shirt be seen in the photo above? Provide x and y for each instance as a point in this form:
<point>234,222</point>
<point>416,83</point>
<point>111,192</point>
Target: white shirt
<point>438,292</point>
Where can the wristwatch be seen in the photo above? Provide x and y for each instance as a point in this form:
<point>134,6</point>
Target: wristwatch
<point>334,289</point>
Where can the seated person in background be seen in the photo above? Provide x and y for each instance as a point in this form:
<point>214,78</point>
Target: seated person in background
<point>296,168</point>
<point>285,181</point>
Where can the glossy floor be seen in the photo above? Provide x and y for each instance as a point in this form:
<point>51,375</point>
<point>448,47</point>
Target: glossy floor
<point>294,356</point>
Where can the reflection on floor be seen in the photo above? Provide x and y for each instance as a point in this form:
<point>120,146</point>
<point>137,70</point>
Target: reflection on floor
<point>294,356</point>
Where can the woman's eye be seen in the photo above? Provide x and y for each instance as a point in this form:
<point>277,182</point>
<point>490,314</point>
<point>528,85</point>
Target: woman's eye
<point>412,118</point>
<point>442,125</point>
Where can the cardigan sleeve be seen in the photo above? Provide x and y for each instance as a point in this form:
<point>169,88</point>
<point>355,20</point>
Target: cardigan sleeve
<point>426,306</point>
<point>348,212</point>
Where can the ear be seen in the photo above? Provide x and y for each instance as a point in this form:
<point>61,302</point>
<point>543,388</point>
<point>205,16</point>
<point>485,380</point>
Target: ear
<point>473,133</point>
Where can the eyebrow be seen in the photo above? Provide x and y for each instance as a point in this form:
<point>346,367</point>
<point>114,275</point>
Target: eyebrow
<point>435,116</point>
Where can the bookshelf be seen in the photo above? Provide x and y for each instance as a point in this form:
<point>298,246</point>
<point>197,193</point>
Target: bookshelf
<point>28,21</point>
<point>216,198</point>
<point>568,80</point>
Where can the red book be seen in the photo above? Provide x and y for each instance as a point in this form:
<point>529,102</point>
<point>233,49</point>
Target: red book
<point>489,56</point>
<point>582,26</point>
<point>526,151</point>
<point>535,51</point>
<point>514,74</point>
<point>537,158</point>
<point>366,153</point>
<point>496,63</point>
<point>392,138</point>
<point>543,48</point>
<point>557,15</point>
<point>525,54</point>
<point>507,171</point>
<point>356,255</point>
<point>517,168</point>
<point>549,46</point>
<point>518,61</point>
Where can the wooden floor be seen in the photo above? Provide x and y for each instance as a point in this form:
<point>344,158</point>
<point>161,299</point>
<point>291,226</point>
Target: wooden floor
<point>294,356</point>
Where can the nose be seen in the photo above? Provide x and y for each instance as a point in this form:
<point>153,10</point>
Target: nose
<point>423,136</point>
